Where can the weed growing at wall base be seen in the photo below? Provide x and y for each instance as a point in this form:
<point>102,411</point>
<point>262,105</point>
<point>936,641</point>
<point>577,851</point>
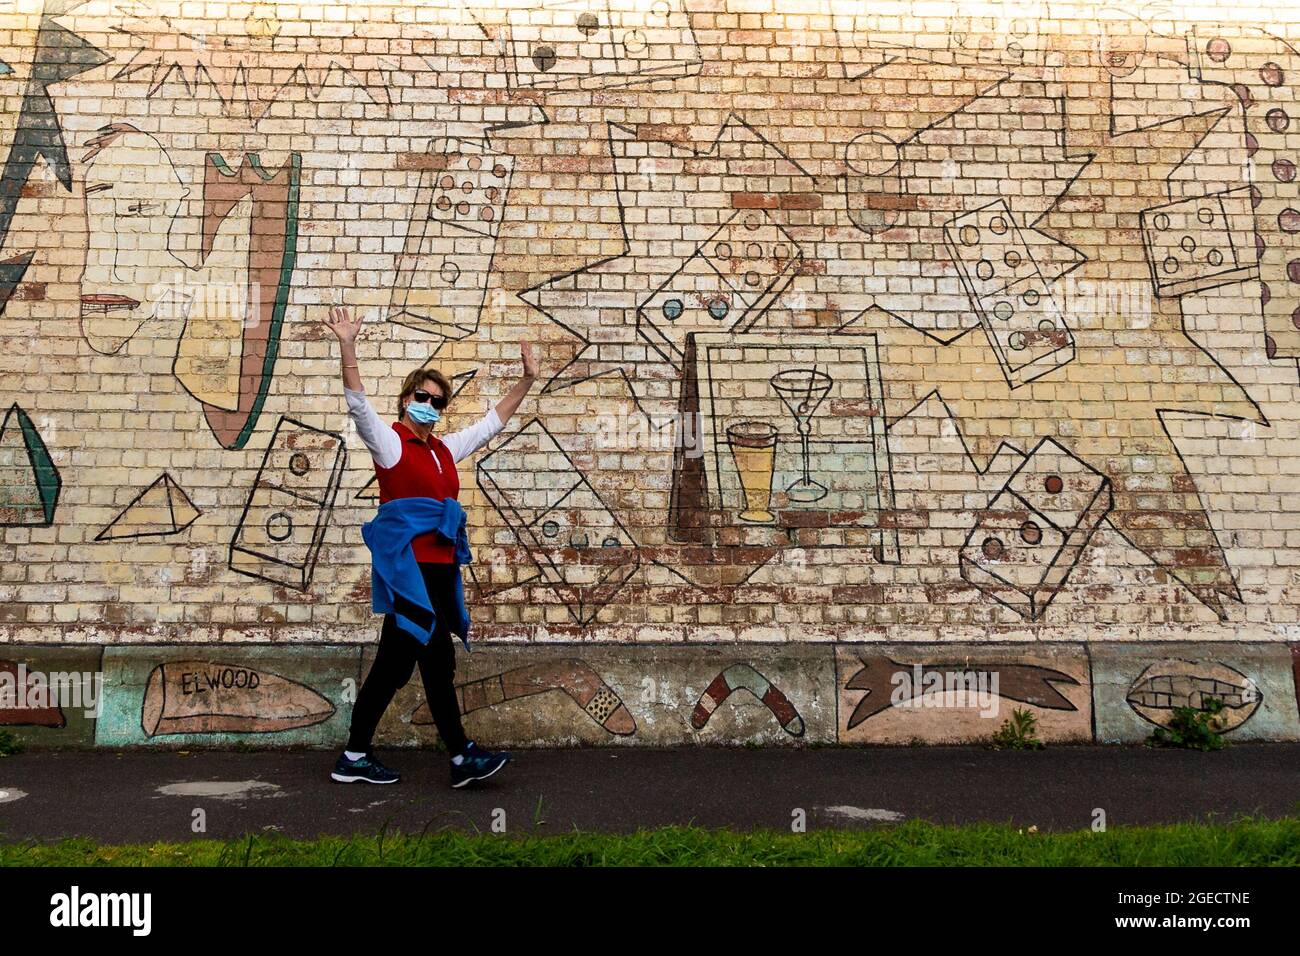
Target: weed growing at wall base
<point>1018,732</point>
<point>1192,728</point>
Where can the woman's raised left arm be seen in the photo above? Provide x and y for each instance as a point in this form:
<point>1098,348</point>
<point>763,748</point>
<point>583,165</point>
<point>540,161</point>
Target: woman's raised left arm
<point>465,442</point>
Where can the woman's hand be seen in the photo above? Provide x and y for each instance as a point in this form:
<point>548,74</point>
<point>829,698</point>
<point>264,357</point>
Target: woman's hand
<point>342,323</point>
<point>529,359</point>
<point>346,328</point>
<point>506,407</point>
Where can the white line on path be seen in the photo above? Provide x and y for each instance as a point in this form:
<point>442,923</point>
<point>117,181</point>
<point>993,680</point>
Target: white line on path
<point>865,813</point>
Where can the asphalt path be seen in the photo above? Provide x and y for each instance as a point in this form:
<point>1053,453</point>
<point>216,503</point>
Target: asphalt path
<point>146,796</point>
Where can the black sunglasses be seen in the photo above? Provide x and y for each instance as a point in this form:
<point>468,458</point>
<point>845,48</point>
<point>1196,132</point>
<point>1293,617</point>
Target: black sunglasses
<point>437,401</point>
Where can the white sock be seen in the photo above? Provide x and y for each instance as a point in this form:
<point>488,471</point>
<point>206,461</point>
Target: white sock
<point>353,755</point>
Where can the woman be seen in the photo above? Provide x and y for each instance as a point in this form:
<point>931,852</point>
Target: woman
<point>411,462</point>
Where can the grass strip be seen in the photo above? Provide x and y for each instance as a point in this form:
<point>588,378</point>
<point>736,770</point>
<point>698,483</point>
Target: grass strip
<point>1245,842</point>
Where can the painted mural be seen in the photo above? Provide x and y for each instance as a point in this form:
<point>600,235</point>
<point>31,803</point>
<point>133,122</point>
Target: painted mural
<point>858,331</point>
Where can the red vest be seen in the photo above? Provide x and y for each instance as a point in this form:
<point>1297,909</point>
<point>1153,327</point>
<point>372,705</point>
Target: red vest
<point>417,476</point>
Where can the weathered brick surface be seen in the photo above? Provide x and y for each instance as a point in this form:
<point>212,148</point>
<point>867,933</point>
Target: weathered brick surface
<point>815,193</point>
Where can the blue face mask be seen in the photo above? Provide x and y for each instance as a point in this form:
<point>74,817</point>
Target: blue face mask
<point>423,412</point>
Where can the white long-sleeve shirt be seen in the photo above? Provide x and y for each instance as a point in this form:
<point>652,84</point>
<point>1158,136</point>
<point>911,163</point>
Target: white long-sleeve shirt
<point>386,445</point>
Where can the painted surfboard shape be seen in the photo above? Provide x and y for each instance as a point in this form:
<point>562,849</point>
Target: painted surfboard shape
<point>210,697</point>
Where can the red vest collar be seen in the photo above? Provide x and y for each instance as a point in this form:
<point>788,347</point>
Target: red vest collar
<point>408,435</point>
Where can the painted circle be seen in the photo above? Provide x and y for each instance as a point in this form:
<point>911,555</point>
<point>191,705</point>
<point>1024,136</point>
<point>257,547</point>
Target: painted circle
<point>1218,49</point>
<point>1170,265</point>
<point>1265,293</point>
<point>752,222</point>
<point>299,464</point>
<point>1004,310</point>
<point>588,24</point>
<point>550,528</point>
<point>1283,170</point>
<point>486,214</point>
<point>492,192</point>
<point>634,41</point>
<point>444,203</point>
<point>447,182</point>
<point>753,250</point>
<point>1162,221</point>
<point>992,548</point>
<point>1031,533</point>
<point>1046,325</point>
<point>499,171</point>
<point>1012,259</point>
<point>1187,244</point>
<point>984,269</point>
<point>462,208</point>
<point>1288,220</point>
<point>718,308</point>
<point>780,252</point>
<point>1030,297</point>
<point>1054,484</point>
<point>1271,74</point>
<point>1205,215</point>
<point>474,162</point>
<point>1293,270</point>
<point>1277,119</point>
<point>1017,341</point>
<point>1243,94</point>
<point>672,309</point>
<point>1252,144</point>
<point>611,543</point>
<point>998,225</point>
<point>279,526</point>
<point>751,278</point>
<point>969,235</point>
<point>544,57</point>
<point>1214,258</point>
<point>723,250</point>
<point>871,154</point>
<point>449,272</point>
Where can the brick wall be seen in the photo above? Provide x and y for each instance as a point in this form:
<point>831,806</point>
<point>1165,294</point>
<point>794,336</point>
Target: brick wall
<point>853,327</point>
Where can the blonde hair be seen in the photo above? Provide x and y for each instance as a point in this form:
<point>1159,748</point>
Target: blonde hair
<point>414,380</point>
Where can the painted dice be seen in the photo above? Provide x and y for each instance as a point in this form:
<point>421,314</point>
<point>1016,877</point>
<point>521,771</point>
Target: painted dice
<point>1025,544</point>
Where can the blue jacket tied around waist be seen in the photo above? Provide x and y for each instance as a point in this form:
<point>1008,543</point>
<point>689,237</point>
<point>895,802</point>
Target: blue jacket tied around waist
<point>397,586</point>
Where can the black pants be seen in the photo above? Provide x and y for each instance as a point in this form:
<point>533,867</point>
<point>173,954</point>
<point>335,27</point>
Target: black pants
<point>396,659</point>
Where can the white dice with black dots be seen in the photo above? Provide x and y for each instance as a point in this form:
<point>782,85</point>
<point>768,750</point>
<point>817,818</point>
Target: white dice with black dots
<point>470,192</point>
<point>1191,243</point>
<point>1023,547</point>
<point>595,44</point>
<point>726,283</point>
<point>279,535</point>
<point>1024,324</point>
<point>443,272</point>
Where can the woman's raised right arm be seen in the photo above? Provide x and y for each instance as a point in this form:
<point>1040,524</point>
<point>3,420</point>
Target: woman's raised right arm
<point>345,328</point>
<point>385,444</point>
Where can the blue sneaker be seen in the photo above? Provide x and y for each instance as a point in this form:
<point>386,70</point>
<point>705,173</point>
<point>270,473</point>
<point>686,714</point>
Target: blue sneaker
<point>365,770</point>
<point>479,764</point>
